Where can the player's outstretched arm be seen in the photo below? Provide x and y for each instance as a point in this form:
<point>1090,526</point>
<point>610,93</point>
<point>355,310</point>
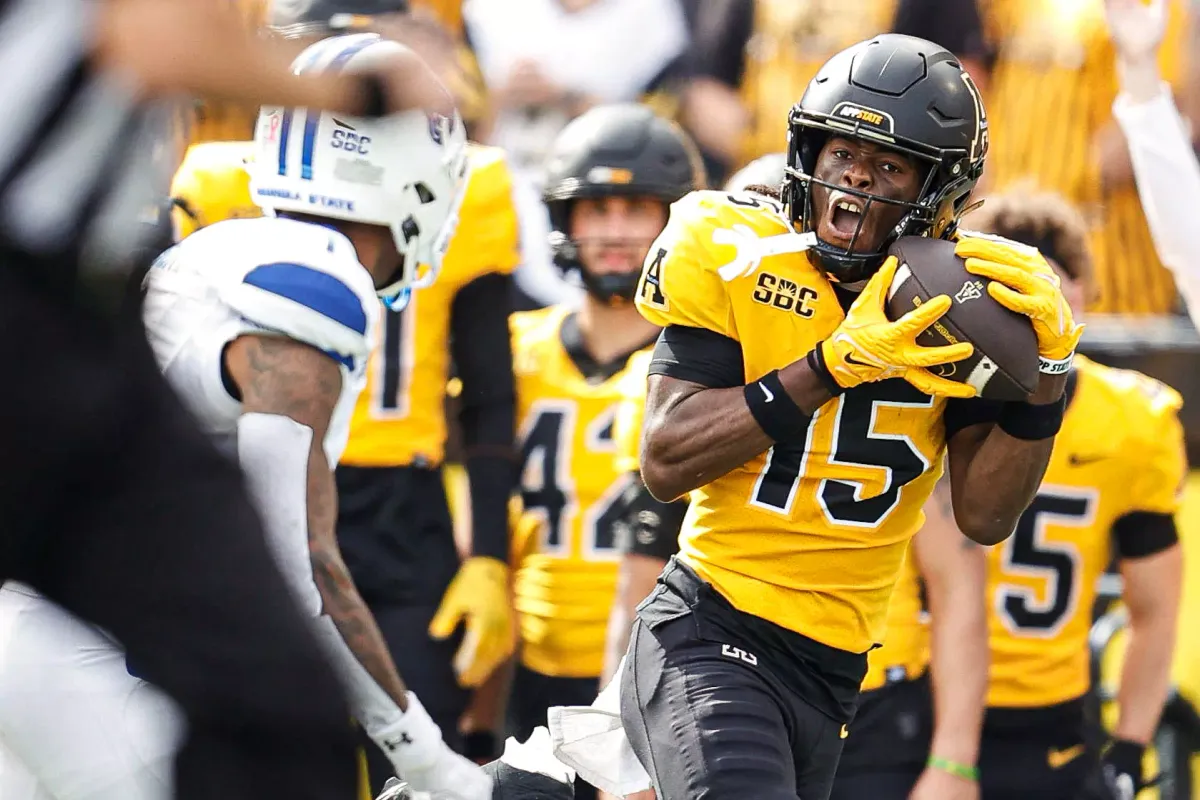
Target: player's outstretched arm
<point>289,391</point>
<point>285,378</point>
<point>201,47</point>
<point>953,570</point>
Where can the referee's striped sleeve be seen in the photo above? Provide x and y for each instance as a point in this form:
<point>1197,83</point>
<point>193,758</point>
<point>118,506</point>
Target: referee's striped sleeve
<point>80,156</point>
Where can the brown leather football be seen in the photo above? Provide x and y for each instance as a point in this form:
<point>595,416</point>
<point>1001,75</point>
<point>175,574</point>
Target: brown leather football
<point>1004,365</point>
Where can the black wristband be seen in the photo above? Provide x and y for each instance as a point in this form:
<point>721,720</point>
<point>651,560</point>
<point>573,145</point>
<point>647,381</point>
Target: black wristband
<point>1032,422</point>
<point>816,362</point>
<point>774,411</point>
<point>375,96</point>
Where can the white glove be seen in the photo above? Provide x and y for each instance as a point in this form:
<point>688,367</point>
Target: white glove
<point>414,746</point>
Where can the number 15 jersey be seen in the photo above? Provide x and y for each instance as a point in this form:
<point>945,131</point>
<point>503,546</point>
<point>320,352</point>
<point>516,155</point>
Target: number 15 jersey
<point>810,535</point>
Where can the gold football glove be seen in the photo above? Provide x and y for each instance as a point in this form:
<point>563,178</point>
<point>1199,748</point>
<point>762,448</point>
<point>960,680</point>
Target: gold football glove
<point>478,596</point>
<point>1022,281</point>
<point>868,347</point>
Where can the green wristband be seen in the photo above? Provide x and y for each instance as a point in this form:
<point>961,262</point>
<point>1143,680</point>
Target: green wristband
<point>964,771</point>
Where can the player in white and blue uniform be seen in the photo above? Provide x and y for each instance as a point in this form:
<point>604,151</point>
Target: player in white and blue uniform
<point>264,327</point>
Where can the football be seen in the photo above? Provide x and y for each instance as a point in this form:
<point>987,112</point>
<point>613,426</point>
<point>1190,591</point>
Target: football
<point>1005,363</point>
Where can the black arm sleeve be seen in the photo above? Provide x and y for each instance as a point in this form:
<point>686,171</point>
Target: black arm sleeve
<point>482,352</point>
<point>699,356</point>
<point>954,24</point>
<point>961,414</point>
<point>649,527</point>
<point>1144,533</point>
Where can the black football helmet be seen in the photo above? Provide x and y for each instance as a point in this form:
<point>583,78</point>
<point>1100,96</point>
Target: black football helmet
<point>905,93</point>
<point>614,150</point>
<point>302,18</point>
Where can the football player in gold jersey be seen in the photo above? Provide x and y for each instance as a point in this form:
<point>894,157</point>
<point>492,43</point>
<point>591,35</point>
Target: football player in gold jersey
<point>1111,490</point>
<point>610,177</point>
<point>808,429</point>
<point>648,529</point>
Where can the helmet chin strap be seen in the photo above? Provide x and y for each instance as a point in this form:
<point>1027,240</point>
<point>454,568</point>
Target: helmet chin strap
<point>616,290</point>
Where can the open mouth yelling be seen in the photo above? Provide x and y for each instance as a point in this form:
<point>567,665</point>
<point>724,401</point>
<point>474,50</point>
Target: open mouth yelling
<point>842,220</point>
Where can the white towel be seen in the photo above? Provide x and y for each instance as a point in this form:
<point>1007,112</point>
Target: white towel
<point>536,754</point>
<point>591,740</point>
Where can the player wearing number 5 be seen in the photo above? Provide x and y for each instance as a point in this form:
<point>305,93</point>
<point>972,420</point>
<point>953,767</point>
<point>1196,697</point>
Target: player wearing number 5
<point>809,429</point>
<point>1111,490</point>
<point>611,175</point>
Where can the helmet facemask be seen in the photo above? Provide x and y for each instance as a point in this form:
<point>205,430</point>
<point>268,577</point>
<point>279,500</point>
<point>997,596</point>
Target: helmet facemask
<point>947,181</point>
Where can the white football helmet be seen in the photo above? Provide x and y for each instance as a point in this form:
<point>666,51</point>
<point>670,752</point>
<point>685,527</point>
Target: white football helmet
<point>406,171</point>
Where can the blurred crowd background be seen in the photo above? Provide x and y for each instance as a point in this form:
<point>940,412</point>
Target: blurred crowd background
<point>729,70</point>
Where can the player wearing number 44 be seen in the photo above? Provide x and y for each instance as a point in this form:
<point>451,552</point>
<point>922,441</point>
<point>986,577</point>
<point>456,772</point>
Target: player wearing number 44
<point>808,428</point>
<point>610,177</point>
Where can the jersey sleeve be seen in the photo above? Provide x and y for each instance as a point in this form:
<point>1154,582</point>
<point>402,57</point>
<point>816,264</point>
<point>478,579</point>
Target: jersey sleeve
<point>627,425</point>
<point>681,283</point>
<point>322,307</point>
<point>1162,461</point>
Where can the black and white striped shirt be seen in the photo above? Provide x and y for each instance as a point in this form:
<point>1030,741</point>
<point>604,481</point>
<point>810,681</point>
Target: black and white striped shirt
<point>81,160</point>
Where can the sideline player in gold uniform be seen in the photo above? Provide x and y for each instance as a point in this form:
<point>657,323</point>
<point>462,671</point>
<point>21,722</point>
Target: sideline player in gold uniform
<point>611,175</point>
<point>774,399</point>
<point>1111,490</point>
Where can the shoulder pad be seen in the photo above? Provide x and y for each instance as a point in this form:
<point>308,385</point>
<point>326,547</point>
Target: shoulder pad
<point>711,239</point>
<point>301,280</point>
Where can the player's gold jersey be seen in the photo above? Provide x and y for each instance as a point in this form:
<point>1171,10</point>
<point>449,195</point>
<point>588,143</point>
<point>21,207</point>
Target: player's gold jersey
<point>790,42</point>
<point>627,428</point>
<point>212,185</point>
<point>566,575</point>
<point>400,417</point>
<point>1120,451</point>
<point>905,652</point>
<point>810,536</point>
<point>1050,96</point>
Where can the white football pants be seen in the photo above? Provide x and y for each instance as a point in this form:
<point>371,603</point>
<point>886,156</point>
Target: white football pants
<point>74,724</point>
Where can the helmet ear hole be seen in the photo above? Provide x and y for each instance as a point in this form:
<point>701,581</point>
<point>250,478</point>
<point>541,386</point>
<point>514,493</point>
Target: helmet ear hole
<point>424,193</point>
<point>410,229</point>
